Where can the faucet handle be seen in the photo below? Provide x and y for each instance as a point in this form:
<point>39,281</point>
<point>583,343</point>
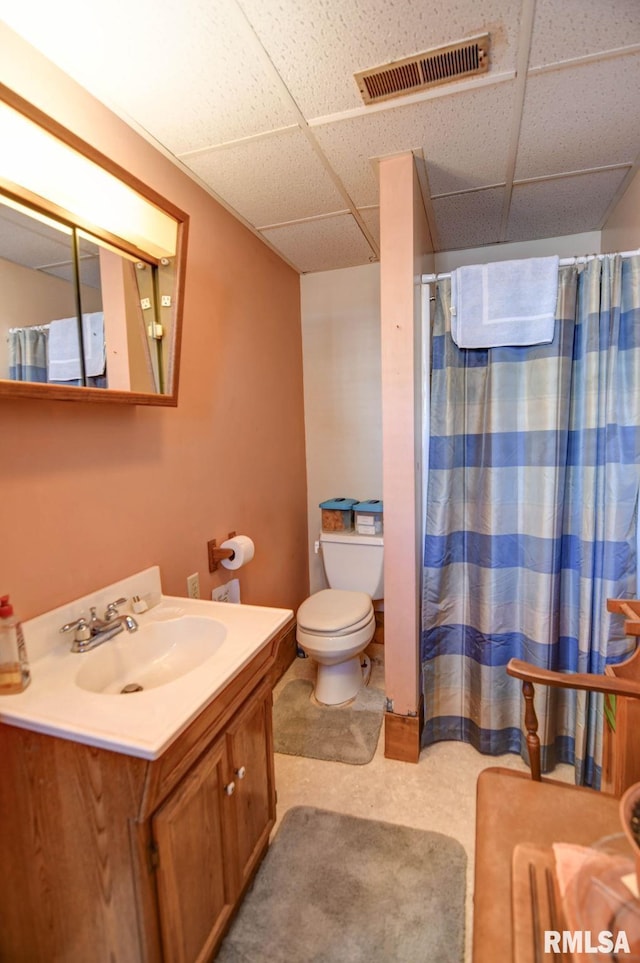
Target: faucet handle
<point>79,623</point>
<point>82,633</point>
<point>112,608</point>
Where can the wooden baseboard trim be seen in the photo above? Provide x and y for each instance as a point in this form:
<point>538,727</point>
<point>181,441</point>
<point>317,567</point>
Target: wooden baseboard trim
<point>402,736</point>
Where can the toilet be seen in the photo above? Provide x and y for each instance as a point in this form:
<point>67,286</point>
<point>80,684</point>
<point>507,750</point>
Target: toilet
<point>335,625</point>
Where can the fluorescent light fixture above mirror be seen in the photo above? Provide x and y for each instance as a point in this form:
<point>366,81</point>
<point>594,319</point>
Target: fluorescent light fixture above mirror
<point>34,160</point>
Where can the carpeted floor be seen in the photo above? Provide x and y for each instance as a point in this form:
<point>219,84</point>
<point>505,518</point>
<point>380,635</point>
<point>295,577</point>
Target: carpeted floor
<point>340,889</point>
<point>348,734</point>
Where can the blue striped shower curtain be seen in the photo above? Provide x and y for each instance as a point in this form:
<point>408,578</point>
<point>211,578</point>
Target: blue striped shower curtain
<point>531,518</point>
<point>28,354</point>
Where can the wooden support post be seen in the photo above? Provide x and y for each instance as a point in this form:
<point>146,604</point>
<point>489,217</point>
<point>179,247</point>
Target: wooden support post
<point>531,725</point>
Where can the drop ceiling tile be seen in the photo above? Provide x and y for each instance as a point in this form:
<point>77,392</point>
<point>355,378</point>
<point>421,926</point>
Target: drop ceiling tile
<point>318,45</point>
<point>271,179</point>
<point>191,73</point>
<point>30,242</point>
<point>581,117</point>
<point>464,138</point>
<point>566,205</point>
<point>322,245</point>
<point>469,220</point>
<point>194,74</point>
<point>576,28</point>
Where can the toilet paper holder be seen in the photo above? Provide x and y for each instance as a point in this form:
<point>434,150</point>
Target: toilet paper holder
<point>217,554</point>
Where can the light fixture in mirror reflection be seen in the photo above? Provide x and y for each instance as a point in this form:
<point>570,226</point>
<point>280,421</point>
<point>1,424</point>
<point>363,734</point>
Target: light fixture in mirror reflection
<point>90,307</point>
<point>51,276</point>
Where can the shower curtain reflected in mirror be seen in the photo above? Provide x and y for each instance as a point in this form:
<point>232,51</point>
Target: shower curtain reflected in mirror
<point>531,517</point>
<point>28,353</point>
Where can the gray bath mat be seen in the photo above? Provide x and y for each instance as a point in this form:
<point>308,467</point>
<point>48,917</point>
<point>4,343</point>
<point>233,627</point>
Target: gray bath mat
<point>337,733</point>
<point>339,889</point>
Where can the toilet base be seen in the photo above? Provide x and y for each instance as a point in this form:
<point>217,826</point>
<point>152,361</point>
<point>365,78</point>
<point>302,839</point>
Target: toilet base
<point>338,683</point>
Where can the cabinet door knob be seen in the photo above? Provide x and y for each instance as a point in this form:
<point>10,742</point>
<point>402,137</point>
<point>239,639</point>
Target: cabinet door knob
<point>241,772</point>
<point>230,788</point>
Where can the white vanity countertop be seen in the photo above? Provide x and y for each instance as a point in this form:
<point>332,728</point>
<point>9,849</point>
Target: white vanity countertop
<point>143,723</point>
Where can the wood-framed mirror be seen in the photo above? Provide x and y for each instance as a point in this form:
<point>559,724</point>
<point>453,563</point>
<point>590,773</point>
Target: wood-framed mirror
<point>91,305</point>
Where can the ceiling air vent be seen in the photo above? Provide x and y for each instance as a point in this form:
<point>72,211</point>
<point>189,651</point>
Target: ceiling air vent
<point>464,59</point>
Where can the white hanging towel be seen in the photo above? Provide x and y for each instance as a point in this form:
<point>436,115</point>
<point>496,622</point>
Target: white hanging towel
<point>504,303</point>
<point>64,349</point>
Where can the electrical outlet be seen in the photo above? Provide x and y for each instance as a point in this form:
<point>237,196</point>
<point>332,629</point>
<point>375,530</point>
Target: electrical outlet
<point>193,586</point>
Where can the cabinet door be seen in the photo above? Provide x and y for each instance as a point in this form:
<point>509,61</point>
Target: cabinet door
<point>195,892</point>
<point>250,749</point>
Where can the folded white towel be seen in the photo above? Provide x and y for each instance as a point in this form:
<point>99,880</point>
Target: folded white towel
<point>504,303</point>
<point>93,335</point>
<point>64,350</point>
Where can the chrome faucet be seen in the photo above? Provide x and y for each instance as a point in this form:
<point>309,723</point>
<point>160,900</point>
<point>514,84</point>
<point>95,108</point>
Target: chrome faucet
<point>89,635</point>
<point>111,616</point>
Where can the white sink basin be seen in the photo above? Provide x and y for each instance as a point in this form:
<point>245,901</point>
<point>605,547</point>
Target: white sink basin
<point>184,654</point>
<point>158,653</point>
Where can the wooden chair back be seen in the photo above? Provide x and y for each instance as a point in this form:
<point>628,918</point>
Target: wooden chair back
<point>621,687</point>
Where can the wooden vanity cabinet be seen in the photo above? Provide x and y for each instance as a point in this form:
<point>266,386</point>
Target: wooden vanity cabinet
<point>193,857</point>
<point>211,832</point>
<point>116,859</point>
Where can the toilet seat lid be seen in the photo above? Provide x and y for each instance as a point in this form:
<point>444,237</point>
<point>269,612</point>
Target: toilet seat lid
<point>334,611</point>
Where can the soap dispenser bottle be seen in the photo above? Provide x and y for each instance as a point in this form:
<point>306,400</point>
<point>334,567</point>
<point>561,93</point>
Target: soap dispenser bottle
<point>14,666</point>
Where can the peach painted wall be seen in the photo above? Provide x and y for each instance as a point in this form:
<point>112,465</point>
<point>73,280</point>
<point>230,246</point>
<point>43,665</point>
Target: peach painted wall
<point>92,493</point>
<point>343,406</point>
<point>621,231</point>
<point>405,254</point>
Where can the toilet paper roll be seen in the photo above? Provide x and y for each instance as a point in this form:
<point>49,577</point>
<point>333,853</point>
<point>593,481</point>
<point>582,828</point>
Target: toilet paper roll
<point>243,551</point>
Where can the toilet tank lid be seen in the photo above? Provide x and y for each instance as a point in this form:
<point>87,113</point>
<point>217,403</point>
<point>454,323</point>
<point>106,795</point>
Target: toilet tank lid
<point>353,538</point>
<point>332,610</point>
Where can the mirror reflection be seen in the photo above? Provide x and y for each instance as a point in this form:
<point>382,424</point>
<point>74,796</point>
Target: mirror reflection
<point>76,311</point>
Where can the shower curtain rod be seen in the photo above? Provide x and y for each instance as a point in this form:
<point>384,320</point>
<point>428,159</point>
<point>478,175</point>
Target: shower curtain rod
<point>564,262</point>
<point>30,327</point>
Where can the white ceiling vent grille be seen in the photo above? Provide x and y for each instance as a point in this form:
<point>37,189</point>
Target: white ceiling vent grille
<point>424,70</point>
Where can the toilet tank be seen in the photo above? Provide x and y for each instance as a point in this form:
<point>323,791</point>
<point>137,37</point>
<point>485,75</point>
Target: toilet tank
<point>354,562</point>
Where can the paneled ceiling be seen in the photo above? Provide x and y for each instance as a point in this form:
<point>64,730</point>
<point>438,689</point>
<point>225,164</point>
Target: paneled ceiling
<point>257,100</point>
